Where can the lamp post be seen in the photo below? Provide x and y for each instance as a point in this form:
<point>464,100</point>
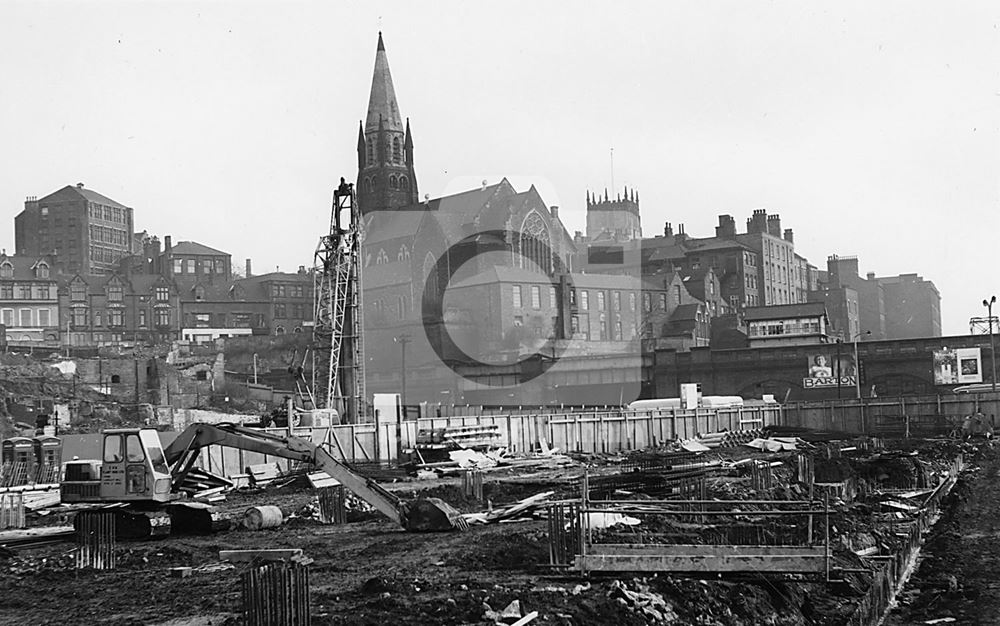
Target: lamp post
<point>857,363</point>
<point>993,352</point>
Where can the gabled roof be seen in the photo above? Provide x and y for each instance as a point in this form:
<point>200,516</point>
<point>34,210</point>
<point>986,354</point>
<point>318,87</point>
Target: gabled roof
<point>88,194</point>
<point>785,311</point>
<point>24,266</point>
<point>193,247</point>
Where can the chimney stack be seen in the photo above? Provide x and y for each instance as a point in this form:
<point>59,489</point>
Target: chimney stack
<point>167,243</point>
<point>668,230</point>
<point>788,236</point>
<point>555,212</point>
<point>249,270</point>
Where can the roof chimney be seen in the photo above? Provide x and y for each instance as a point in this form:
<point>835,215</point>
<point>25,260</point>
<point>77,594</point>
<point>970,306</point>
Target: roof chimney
<point>249,272</point>
<point>555,212</point>
<point>668,230</point>
<point>167,243</point>
<point>302,269</point>
<point>788,236</point>
<point>79,185</point>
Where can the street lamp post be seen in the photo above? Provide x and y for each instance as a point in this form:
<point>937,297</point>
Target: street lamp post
<point>993,352</point>
<point>857,363</point>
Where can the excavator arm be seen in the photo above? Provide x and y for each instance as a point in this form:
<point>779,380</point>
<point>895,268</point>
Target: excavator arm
<point>182,453</point>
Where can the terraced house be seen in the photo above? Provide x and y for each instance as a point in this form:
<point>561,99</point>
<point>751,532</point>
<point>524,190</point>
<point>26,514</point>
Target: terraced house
<point>29,302</point>
<point>112,309</point>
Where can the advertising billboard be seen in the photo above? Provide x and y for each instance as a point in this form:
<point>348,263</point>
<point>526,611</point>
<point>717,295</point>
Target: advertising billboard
<point>958,366</point>
<point>828,369</point>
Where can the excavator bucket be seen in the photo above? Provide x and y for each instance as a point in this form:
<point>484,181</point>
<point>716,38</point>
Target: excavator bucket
<point>433,515</point>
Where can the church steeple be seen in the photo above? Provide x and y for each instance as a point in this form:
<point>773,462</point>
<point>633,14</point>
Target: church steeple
<point>386,178</point>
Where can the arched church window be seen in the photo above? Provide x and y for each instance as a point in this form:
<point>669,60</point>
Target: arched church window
<point>382,258</point>
<point>430,276</point>
<point>392,182</point>
<point>371,151</point>
<point>404,253</point>
<point>397,152</point>
<point>535,242</point>
<point>404,183</point>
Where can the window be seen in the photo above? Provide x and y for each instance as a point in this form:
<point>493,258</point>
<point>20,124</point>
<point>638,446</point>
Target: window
<point>584,300</point>
<point>663,301</point>
<point>572,297</point>
<point>142,318</point>
<point>278,291</point>
<point>297,311</point>
<point>574,325</point>
<point>536,297</point>
<point>115,293</point>
<point>45,210</point>
<point>631,301</point>
<point>162,294</point>
<point>79,317</point>
<point>199,293</point>
<point>241,320</point>
<point>647,305</point>
<point>297,291</point>
<point>202,320</point>
<point>206,267</point>
<point>162,317</point>
<point>397,152</point>
<point>552,297</point>
<point>97,318</point>
<point>518,320</point>
<point>113,449</point>
<point>44,318</point>
<point>25,317</point>
<point>604,327</point>
<point>41,292</point>
<point>190,266</point>
<point>23,292</point>
<point>618,331</point>
<point>6,291</point>
<point>42,271</point>
<point>116,317</point>
<point>516,295</point>
<point>220,266</point>
<point>677,292</point>
<point>8,317</point>
<point>133,448</point>
<point>178,266</point>
<point>6,270</point>
<point>616,300</point>
<point>279,310</point>
<point>600,300</point>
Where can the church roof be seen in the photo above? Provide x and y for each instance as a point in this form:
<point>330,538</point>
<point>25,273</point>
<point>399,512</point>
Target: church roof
<point>382,101</point>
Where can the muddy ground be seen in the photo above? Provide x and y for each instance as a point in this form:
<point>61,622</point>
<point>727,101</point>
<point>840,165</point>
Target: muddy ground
<point>958,572</point>
<point>370,572</point>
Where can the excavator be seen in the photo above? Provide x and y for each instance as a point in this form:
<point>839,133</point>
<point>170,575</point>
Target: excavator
<point>138,480</point>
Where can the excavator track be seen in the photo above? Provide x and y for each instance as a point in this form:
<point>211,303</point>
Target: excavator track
<point>131,524</point>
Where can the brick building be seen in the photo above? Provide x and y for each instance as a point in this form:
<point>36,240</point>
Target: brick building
<point>29,300</point>
<point>87,231</point>
<point>111,309</point>
<point>210,309</point>
<point>288,298</point>
<point>192,260</point>
<point>787,325</point>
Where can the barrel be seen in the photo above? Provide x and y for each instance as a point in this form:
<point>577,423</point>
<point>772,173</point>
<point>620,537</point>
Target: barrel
<point>257,517</point>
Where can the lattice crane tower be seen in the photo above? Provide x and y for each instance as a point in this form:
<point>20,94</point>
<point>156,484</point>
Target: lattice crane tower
<point>338,341</point>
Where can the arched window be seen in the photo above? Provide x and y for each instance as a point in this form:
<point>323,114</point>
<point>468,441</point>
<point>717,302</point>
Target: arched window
<point>404,253</point>
<point>430,276</point>
<point>397,152</point>
<point>42,270</point>
<point>280,330</point>
<point>392,182</point>
<point>371,151</point>
<point>404,183</point>
<point>6,270</point>
<point>536,245</point>
<point>382,258</point>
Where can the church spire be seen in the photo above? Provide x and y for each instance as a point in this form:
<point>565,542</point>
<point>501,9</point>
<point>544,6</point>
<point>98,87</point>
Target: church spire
<point>382,101</point>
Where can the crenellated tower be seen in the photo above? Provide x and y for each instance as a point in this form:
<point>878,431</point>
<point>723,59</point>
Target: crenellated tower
<point>386,178</point>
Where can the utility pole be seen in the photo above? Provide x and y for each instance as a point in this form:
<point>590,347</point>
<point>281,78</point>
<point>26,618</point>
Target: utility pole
<point>857,363</point>
<point>993,351</point>
<point>839,341</point>
<point>402,340</point>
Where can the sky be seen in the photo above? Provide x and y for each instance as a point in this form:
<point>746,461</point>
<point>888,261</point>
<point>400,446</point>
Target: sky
<point>873,129</point>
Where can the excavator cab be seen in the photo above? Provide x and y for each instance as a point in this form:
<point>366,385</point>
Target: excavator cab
<point>132,468</point>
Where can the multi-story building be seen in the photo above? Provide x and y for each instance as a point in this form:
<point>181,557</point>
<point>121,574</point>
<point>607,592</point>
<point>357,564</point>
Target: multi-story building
<point>29,301</point>
<point>779,275</point>
<point>109,309</point>
<point>842,308</point>
<point>289,299</point>
<point>192,260</point>
<point>210,309</point>
<point>88,232</point>
<point>912,307</point>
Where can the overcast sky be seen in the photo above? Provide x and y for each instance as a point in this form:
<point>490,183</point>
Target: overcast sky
<point>873,129</point>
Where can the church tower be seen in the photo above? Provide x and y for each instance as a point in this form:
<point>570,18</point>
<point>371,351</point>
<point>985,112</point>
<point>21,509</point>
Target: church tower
<point>386,178</point>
